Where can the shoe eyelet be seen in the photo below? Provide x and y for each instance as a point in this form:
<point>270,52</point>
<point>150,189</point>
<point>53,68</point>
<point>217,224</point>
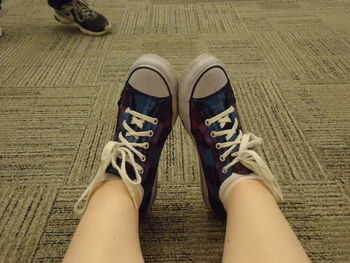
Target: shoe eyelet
<point>223,170</point>
<point>212,134</point>
<point>217,146</point>
<point>155,121</point>
<point>150,133</point>
<point>146,145</point>
<point>141,171</point>
<point>207,122</point>
<point>222,158</point>
<point>143,158</point>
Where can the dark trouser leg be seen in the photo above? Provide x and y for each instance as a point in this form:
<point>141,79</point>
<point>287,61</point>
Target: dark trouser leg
<point>57,4</point>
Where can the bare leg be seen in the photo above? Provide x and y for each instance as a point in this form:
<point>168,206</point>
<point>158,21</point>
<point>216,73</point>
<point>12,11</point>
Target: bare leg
<point>108,231</point>
<point>256,229</point>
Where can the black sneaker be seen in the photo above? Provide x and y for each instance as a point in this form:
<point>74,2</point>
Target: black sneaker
<point>78,12</point>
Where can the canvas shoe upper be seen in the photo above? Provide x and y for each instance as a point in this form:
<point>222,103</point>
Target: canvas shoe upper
<point>147,112</point>
<point>209,113</point>
<point>78,12</point>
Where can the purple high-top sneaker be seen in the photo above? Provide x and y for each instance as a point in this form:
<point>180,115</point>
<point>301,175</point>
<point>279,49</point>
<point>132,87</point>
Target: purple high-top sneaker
<point>147,112</point>
<point>207,107</point>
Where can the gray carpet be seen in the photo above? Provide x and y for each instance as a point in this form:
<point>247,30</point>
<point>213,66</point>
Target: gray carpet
<point>290,66</point>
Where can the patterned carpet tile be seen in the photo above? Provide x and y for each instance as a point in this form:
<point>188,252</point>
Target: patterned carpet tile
<point>24,211</point>
<point>289,65</point>
<point>41,129</point>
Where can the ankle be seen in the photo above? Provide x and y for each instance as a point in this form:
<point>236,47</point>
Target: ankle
<point>251,189</point>
<point>58,5</point>
<point>111,189</point>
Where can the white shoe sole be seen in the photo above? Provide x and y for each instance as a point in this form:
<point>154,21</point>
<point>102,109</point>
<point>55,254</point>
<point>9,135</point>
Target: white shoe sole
<point>67,21</point>
<point>163,67</point>
<point>193,72</point>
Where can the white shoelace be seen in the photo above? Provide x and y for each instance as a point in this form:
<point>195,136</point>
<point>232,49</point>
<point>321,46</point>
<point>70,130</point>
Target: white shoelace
<point>244,155</point>
<point>124,150</point>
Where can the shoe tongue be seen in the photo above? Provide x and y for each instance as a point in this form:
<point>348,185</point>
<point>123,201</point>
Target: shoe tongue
<point>227,125</point>
<point>241,169</point>
<point>218,103</point>
<point>143,104</point>
<point>129,169</point>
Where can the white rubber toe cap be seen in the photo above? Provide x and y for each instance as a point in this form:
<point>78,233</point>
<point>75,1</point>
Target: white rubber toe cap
<point>210,82</point>
<point>150,82</point>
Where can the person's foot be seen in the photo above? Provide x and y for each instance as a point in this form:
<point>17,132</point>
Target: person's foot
<point>147,112</point>
<point>209,113</point>
<point>79,13</point>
